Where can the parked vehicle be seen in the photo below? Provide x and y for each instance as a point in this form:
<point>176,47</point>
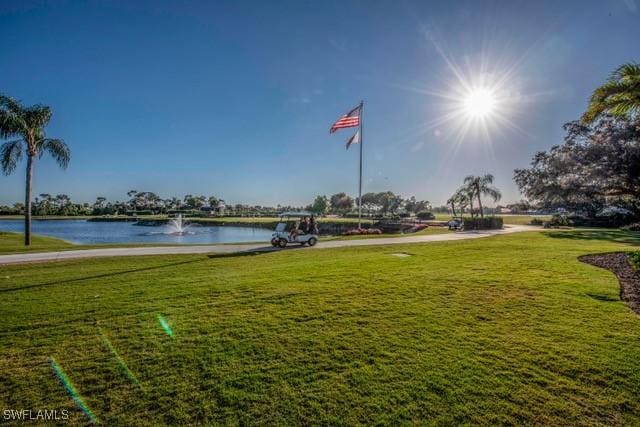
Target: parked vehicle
<point>456,223</point>
<point>289,230</point>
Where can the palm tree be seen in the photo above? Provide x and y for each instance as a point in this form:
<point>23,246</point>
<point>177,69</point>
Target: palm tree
<point>462,199</point>
<point>452,201</point>
<point>27,124</point>
<point>618,97</point>
<point>481,186</point>
<point>466,199</point>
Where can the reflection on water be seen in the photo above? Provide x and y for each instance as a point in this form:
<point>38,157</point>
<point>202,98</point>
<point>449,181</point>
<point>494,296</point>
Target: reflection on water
<point>85,232</point>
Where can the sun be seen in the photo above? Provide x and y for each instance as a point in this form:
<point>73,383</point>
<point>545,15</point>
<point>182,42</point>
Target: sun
<point>479,103</point>
<point>476,101</point>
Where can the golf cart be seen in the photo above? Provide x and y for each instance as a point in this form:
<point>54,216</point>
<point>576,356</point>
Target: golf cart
<point>456,224</point>
<point>289,221</point>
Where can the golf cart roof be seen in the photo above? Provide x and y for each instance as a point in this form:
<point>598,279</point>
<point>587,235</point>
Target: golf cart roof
<point>299,214</point>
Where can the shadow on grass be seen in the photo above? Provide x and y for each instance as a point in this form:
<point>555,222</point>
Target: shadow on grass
<point>259,251</point>
<point>100,276</point>
<point>603,298</point>
<point>617,236</point>
<point>241,254</point>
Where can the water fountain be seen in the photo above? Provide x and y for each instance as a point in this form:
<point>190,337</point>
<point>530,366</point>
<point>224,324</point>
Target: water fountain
<point>177,226</point>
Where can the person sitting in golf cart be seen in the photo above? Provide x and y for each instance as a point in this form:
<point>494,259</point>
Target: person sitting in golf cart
<point>294,230</point>
<point>303,227</point>
<point>313,227</point>
<point>299,228</point>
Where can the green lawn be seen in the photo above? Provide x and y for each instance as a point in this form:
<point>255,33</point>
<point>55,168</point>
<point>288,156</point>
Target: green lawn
<point>503,330</point>
<point>39,217</point>
<point>523,219</point>
<point>14,243</point>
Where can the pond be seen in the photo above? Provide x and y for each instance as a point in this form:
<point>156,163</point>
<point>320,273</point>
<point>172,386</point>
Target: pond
<point>88,232</point>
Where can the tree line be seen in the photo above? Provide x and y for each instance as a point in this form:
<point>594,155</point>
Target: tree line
<point>373,204</point>
<point>595,172</point>
<point>150,203</point>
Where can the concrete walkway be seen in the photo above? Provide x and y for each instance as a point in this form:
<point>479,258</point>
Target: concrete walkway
<point>252,247</point>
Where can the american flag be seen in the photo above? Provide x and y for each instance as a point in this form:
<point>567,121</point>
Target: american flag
<point>349,120</point>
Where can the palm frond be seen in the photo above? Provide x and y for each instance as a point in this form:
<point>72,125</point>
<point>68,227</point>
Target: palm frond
<point>10,104</point>
<point>628,70</point>
<point>486,179</point>
<point>619,96</point>
<point>11,119</point>
<point>469,179</point>
<point>10,155</point>
<point>492,192</point>
<point>37,116</point>
<point>57,149</point>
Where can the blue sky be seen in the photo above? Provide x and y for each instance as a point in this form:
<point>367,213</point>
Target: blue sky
<point>235,98</point>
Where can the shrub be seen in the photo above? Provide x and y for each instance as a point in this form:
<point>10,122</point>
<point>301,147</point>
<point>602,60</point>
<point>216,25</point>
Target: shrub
<point>610,221</point>
<point>426,215</point>
<point>632,227</point>
<point>486,223</point>
<point>536,221</point>
<point>558,220</point>
<point>361,231</point>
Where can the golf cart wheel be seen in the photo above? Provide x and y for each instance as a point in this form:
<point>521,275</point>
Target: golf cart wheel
<point>282,243</point>
<point>312,241</point>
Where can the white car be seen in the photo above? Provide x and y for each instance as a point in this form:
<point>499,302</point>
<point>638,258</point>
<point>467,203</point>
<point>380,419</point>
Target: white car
<point>288,221</point>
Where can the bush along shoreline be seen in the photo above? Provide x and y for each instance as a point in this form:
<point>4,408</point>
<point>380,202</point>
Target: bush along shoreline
<point>486,223</point>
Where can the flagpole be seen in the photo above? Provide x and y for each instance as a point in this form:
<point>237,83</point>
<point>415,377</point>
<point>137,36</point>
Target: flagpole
<point>360,181</point>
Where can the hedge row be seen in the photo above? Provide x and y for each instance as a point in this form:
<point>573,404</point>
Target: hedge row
<point>486,223</point>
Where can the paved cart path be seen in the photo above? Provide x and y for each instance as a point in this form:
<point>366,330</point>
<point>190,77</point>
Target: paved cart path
<point>249,247</point>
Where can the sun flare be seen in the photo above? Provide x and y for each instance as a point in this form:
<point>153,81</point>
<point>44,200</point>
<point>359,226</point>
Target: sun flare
<point>480,103</point>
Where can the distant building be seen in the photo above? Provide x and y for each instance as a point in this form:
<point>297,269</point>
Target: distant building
<point>217,211</point>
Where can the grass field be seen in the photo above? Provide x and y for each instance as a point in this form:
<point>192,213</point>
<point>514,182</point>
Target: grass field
<point>14,243</point>
<point>38,217</point>
<point>523,219</point>
<point>504,330</point>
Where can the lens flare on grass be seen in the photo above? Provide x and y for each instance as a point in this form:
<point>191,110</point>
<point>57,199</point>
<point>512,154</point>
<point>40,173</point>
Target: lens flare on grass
<point>165,325</point>
<point>71,390</point>
<point>121,363</point>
